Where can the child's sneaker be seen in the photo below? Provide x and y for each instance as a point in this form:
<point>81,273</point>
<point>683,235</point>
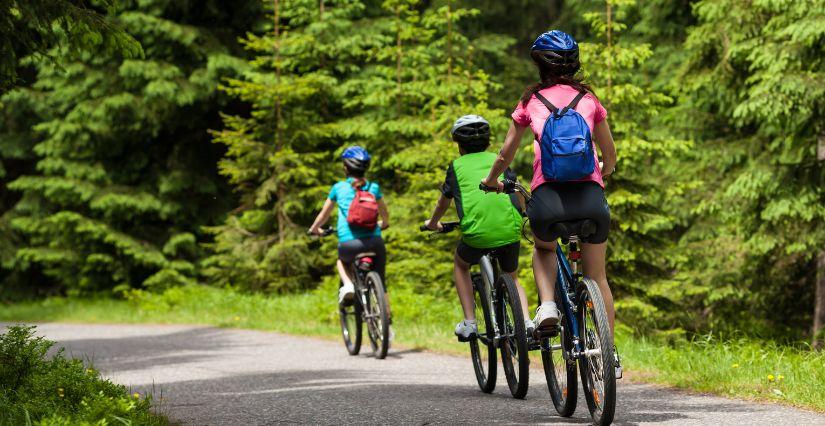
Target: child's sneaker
<point>466,330</point>
<point>345,294</point>
<point>529,327</point>
<point>617,362</point>
<point>547,315</point>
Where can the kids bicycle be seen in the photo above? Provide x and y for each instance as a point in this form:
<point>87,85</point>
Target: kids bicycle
<point>369,306</point>
<point>500,325</point>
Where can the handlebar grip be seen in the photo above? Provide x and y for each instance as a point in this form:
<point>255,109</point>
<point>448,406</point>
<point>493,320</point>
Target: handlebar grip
<point>486,188</point>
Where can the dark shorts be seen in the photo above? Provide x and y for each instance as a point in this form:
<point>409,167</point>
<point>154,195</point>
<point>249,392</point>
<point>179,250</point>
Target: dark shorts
<point>348,250</point>
<point>507,254</point>
<point>555,202</point>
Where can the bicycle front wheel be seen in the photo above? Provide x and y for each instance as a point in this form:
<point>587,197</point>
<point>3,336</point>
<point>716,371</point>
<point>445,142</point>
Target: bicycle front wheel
<point>596,363</point>
<point>560,369</point>
<point>514,353</point>
<point>376,315</point>
<point>483,347</point>
<point>351,327</point>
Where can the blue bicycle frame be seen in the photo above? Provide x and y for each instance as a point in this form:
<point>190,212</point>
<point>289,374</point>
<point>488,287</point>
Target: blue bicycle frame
<point>564,280</point>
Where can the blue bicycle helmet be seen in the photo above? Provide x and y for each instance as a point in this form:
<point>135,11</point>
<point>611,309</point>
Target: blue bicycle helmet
<point>356,160</point>
<point>557,49</point>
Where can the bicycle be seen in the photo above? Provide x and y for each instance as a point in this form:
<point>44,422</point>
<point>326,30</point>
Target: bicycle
<point>369,306</point>
<point>500,325</point>
<point>583,333</point>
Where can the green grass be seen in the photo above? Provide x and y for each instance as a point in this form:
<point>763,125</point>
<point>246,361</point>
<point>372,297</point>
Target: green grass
<point>736,368</point>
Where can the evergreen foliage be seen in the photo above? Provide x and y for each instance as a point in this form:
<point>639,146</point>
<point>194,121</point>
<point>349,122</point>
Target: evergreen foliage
<point>108,178</point>
<point>33,27</point>
<point>125,175</point>
<point>755,82</point>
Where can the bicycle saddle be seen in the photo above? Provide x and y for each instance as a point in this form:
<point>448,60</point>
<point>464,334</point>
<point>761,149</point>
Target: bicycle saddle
<point>580,228</point>
<point>364,254</point>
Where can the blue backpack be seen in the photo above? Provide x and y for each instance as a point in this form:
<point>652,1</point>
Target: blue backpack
<point>566,146</point>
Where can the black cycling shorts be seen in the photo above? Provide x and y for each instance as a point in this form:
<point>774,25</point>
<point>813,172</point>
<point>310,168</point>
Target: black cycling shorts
<point>555,202</point>
<point>348,250</point>
<point>507,254</point>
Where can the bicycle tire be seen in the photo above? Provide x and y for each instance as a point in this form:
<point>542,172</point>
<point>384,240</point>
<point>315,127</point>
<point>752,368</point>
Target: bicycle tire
<point>351,327</point>
<point>594,329</point>
<point>484,343</point>
<point>378,323</point>
<point>514,351</point>
<point>560,372</point>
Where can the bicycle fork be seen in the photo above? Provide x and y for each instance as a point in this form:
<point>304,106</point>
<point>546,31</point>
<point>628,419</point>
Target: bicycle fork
<point>487,279</point>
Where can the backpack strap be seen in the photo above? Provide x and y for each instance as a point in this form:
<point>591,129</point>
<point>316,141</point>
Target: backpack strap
<point>546,103</point>
<point>573,103</point>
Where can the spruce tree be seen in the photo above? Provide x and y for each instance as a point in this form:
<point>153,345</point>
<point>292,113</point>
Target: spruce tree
<point>125,172</point>
<point>639,250</point>
<point>753,90</point>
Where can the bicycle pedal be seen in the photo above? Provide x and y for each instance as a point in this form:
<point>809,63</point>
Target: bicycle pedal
<point>467,339</point>
<point>541,333</point>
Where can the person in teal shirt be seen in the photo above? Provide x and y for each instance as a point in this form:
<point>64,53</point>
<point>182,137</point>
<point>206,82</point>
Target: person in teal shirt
<point>488,221</point>
<point>352,240</point>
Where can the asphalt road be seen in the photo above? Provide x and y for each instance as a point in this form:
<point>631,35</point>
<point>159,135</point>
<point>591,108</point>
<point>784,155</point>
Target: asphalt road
<point>209,376</point>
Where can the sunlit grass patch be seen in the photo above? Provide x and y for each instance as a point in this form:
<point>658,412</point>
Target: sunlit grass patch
<point>735,367</point>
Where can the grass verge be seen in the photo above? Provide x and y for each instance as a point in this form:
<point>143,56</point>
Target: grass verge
<point>53,390</point>
<point>737,368</point>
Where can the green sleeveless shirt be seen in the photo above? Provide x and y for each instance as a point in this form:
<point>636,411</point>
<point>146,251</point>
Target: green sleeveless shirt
<point>487,219</point>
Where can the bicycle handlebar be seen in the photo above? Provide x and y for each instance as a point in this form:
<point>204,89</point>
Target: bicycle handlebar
<point>446,227</point>
<point>510,186</point>
<point>325,232</point>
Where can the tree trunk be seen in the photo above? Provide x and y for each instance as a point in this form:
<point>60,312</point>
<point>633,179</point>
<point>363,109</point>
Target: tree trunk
<point>819,303</point>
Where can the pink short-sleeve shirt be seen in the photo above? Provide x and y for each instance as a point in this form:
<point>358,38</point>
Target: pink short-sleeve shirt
<point>535,114</point>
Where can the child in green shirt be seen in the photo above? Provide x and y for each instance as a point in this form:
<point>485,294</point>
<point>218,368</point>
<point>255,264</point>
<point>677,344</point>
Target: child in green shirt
<point>488,221</point>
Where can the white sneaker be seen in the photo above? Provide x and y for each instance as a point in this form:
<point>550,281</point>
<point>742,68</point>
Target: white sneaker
<point>617,362</point>
<point>465,330</point>
<point>345,294</point>
<point>547,315</point>
<point>529,327</point>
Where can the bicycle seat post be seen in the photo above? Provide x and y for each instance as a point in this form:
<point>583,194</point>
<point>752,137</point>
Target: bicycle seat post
<point>575,254</point>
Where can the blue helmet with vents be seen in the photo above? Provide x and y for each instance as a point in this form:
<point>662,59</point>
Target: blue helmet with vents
<point>356,160</point>
<point>556,49</point>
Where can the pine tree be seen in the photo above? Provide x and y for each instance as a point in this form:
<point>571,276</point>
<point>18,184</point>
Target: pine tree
<point>125,173</point>
<point>278,156</point>
<point>394,86</point>
<point>34,27</point>
<point>640,248</point>
<point>753,87</point>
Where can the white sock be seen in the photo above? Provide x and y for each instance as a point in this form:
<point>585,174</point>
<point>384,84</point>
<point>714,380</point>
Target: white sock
<point>550,304</point>
<point>469,322</point>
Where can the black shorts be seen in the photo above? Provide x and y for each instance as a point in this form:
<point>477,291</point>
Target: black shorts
<point>348,250</point>
<point>555,202</point>
<point>507,254</point>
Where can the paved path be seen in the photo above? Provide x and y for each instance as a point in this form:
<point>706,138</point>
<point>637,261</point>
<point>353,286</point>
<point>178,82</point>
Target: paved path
<point>209,376</point>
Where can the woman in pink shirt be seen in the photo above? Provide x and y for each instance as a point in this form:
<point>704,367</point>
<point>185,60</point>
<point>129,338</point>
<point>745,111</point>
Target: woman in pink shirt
<point>556,55</point>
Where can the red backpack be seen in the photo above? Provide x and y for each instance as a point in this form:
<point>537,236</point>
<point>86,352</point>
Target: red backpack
<point>363,211</point>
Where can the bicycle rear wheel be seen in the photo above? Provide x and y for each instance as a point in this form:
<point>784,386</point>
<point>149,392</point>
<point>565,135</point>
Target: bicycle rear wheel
<point>376,316</point>
<point>560,371</point>
<point>483,347</point>
<point>514,352</point>
<point>596,364</point>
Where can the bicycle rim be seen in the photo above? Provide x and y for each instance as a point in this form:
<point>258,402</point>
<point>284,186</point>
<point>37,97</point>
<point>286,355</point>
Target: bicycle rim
<point>514,353</point>
<point>483,348</point>
<point>596,365</point>
<point>560,372</point>
<point>376,315</point>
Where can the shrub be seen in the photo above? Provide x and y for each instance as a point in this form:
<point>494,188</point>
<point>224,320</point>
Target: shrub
<point>38,389</point>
